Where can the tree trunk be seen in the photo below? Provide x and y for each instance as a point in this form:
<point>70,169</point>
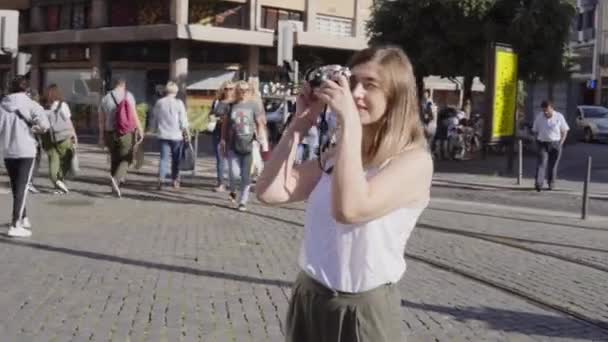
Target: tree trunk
<point>467,103</point>
<point>420,85</point>
<point>468,88</point>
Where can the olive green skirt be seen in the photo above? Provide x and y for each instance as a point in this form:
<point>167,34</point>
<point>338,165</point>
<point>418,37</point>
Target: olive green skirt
<point>319,314</point>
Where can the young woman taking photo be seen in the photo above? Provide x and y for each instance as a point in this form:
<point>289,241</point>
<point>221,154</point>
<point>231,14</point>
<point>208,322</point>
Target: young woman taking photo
<point>364,197</point>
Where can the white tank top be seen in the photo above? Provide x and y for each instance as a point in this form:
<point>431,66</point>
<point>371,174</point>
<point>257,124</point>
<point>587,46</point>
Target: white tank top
<point>353,258</point>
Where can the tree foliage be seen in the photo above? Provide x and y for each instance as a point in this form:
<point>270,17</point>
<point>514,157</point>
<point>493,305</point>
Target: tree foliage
<point>449,37</point>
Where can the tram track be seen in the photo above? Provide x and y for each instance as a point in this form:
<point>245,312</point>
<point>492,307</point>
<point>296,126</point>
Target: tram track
<point>510,289</point>
<point>513,243</point>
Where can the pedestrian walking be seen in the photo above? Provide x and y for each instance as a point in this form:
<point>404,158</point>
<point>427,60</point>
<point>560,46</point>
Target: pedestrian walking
<point>364,196</point>
<point>261,143</point>
<point>60,140</point>
<point>20,119</point>
<point>120,131</point>
<point>551,129</point>
<point>238,135</point>
<point>220,109</point>
<point>429,117</point>
<point>170,121</point>
<point>35,96</point>
<point>310,144</point>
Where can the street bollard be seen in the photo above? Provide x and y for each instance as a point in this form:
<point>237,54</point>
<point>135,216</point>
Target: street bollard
<point>520,161</point>
<point>195,153</point>
<point>586,190</point>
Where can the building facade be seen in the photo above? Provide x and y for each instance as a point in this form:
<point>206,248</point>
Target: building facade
<point>588,55</point>
<point>200,43</point>
<point>588,81</point>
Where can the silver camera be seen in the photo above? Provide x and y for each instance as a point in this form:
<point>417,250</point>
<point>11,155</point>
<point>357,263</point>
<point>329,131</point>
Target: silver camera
<point>317,76</point>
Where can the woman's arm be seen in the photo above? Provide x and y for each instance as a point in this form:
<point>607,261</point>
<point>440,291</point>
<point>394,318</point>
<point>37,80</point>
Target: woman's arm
<point>101,120</point>
<point>65,108</point>
<point>183,116</point>
<point>404,182</point>
<point>224,132</point>
<point>282,181</point>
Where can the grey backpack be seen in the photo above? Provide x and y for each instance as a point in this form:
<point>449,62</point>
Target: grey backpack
<point>243,131</point>
<point>61,125</point>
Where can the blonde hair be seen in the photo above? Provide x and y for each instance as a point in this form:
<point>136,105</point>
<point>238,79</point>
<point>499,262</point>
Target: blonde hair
<point>171,88</point>
<point>400,128</point>
<point>243,87</point>
<point>220,94</point>
<point>254,87</point>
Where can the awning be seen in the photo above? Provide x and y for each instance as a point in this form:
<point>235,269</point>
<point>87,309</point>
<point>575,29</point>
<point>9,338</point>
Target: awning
<point>209,79</point>
<point>441,83</point>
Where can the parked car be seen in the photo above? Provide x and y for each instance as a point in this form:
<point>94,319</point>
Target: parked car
<point>592,123</point>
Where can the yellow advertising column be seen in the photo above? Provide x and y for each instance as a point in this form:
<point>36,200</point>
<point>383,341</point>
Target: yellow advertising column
<point>504,105</point>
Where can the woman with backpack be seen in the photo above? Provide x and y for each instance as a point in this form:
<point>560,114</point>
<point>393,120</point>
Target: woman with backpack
<point>364,196</point>
<point>238,134</point>
<point>120,131</point>
<point>60,140</point>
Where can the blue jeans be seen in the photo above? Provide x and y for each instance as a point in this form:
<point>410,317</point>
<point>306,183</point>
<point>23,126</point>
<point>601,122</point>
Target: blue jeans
<point>240,163</point>
<point>173,148</point>
<point>220,161</point>
<point>548,156</point>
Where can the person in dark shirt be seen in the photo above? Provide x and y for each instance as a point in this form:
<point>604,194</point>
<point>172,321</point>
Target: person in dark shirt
<point>219,110</point>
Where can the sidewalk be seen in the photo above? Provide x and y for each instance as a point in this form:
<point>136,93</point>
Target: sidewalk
<point>491,173</point>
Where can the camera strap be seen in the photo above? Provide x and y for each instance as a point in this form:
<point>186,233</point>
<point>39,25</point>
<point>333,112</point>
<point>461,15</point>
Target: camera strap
<point>325,139</point>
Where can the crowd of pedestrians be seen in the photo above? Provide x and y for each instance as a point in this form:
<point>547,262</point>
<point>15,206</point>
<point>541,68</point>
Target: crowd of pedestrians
<point>31,126</point>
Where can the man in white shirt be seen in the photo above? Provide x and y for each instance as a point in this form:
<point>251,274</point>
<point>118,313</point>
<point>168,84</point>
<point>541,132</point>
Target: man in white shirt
<point>551,130</point>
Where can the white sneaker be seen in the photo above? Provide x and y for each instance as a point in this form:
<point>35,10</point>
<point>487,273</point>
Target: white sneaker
<point>31,188</point>
<point>61,186</point>
<point>115,187</point>
<point>25,223</point>
<point>19,232</point>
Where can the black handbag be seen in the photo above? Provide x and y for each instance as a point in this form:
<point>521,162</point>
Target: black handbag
<point>186,157</point>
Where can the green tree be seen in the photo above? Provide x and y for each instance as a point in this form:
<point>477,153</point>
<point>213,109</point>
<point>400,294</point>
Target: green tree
<point>449,37</point>
<point>442,37</point>
<point>539,32</point>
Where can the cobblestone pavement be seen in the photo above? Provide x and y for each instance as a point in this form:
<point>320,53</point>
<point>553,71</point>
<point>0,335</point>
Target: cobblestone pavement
<point>184,266</point>
<point>486,181</point>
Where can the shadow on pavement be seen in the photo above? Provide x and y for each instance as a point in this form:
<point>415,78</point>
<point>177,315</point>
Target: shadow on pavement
<point>146,264</point>
<point>517,219</point>
<point>503,320</point>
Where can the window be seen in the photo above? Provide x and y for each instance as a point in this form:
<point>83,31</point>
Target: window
<point>24,21</point>
<point>218,13</point>
<point>579,22</point>
<point>271,16</point>
<point>139,12</point>
<point>590,19</point>
<point>67,16</point>
<point>69,53</point>
<point>595,112</point>
<point>230,16</point>
<point>335,26</point>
